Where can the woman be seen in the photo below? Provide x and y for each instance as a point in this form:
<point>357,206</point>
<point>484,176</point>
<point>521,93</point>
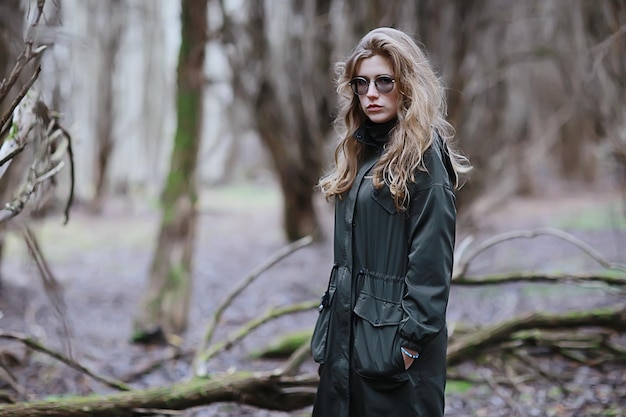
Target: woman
<point>381,334</point>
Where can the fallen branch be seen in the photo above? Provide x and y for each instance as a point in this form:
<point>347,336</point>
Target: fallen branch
<point>468,346</point>
<point>460,269</point>
<point>264,389</point>
<point>35,345</point>
<point>534,277</point>
<point>208,336</point>
<point>245,330</point>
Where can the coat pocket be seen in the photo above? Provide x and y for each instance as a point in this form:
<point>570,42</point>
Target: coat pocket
<point>377,340</point>
<point>320,332</point>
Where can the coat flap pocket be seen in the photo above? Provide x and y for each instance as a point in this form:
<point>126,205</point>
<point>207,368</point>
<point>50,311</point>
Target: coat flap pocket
<point>383,197</point>
<point>378,312</point>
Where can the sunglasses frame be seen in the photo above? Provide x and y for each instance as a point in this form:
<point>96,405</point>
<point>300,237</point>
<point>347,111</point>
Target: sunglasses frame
<point>369,82</point>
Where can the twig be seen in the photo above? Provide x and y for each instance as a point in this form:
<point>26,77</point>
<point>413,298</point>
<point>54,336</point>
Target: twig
<point>11,380</point>
<point>246,329</point>
<point>33,344</point>
<point>156,364</point>
<point>603,47</point>
<point>26,55</point>
<point>35,126</point>
<point>526,359</point>
<point>612,347</point>
<point>293,363</point>
<point>538,278</point>
<point>25,88</point>
<point>52,287</point>
<point>504,395</point>
<point>15,150</point>
<point>282,253</point>
<point>463,265</point>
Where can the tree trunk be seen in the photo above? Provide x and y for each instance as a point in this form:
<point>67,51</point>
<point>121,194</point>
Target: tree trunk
<point>110,41</point>
<point>297,176</point>
<point>292,106</point>
<point>166,304</point>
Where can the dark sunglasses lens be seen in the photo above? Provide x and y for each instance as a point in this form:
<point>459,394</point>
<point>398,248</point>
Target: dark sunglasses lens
<point>384,84</point>
<point>359,86</point>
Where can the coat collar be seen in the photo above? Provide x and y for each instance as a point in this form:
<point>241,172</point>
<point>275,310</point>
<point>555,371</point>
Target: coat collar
<point>374,134</point>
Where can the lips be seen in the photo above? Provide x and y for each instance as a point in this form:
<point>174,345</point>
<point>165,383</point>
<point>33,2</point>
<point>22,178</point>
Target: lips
<point>374,107</point>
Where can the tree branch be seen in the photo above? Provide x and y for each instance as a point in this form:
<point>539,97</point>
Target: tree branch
<point>282,253</point>
<point>470,345</point>
<point>33,344</point>
<point>27,54</point>
<point>461,268</point>
<point>507,278</point>
<point>246,329</point>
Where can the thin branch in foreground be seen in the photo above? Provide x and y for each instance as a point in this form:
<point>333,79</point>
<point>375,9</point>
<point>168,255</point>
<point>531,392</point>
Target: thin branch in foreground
<point>26,55</point>
<point>10,379</point>
<point>16,102</point>
<point>52,287</point>
<point>33,344</point>
<point>463,265</point>
<point>296,359</point>
<point>534,277</point>
<point>246,329</point>
<point>282,253</point>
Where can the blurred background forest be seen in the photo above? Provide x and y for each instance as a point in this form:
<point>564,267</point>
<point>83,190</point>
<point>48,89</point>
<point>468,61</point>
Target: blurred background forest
<point>536,92</point>
<point>535,88</point>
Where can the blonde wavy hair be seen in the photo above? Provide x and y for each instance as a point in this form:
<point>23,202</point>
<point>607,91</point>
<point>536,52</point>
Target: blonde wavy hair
<point>421,113</point>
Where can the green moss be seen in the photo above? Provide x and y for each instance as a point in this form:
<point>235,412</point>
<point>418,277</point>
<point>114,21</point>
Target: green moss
<point>12,132</point>
<point>284,345</point>
<point>177,276</point>
<point>458,387</point>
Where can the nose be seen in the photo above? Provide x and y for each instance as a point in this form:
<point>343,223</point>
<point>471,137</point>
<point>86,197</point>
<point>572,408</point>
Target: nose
<point>372,91</point>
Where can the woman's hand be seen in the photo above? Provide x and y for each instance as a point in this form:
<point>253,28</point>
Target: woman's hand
<point>408,361</point>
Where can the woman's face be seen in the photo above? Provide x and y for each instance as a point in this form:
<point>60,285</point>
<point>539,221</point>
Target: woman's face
<point>378,106</point>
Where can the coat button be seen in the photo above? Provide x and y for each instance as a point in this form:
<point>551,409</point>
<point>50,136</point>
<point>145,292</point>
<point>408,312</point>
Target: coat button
<point>376,321</point>
<point>353,224</point>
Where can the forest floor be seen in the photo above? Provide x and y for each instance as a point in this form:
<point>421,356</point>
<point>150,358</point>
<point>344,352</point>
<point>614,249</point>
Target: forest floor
<point>103,261</point>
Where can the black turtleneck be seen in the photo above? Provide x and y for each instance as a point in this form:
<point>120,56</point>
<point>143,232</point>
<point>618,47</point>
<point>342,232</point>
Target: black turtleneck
<point>374,134</point>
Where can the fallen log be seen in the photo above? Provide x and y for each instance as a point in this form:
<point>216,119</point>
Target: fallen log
<point>469,346</point>
<point>267,390</point>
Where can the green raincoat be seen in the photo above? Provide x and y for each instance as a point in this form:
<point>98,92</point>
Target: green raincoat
<point>388,288</point>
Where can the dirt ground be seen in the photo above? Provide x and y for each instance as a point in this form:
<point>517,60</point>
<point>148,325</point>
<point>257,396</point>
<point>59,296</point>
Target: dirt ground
<point>102,263</point>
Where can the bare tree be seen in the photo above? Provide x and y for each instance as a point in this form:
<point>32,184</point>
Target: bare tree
<point>166,303</point>
<point>291,99</point>
<point>34,148</point>
<point>108,18</point>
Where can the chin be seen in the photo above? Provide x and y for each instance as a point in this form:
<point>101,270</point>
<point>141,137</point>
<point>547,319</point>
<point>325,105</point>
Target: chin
<point>381,118</point>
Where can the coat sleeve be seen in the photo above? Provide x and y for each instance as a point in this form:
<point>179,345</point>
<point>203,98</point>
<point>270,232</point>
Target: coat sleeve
<point>432,222</point>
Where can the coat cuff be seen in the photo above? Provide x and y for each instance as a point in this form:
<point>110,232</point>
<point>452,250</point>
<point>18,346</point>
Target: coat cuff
<point>411,345</point>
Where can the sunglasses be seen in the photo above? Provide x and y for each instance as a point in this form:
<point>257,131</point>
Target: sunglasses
<point>360,85</point>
